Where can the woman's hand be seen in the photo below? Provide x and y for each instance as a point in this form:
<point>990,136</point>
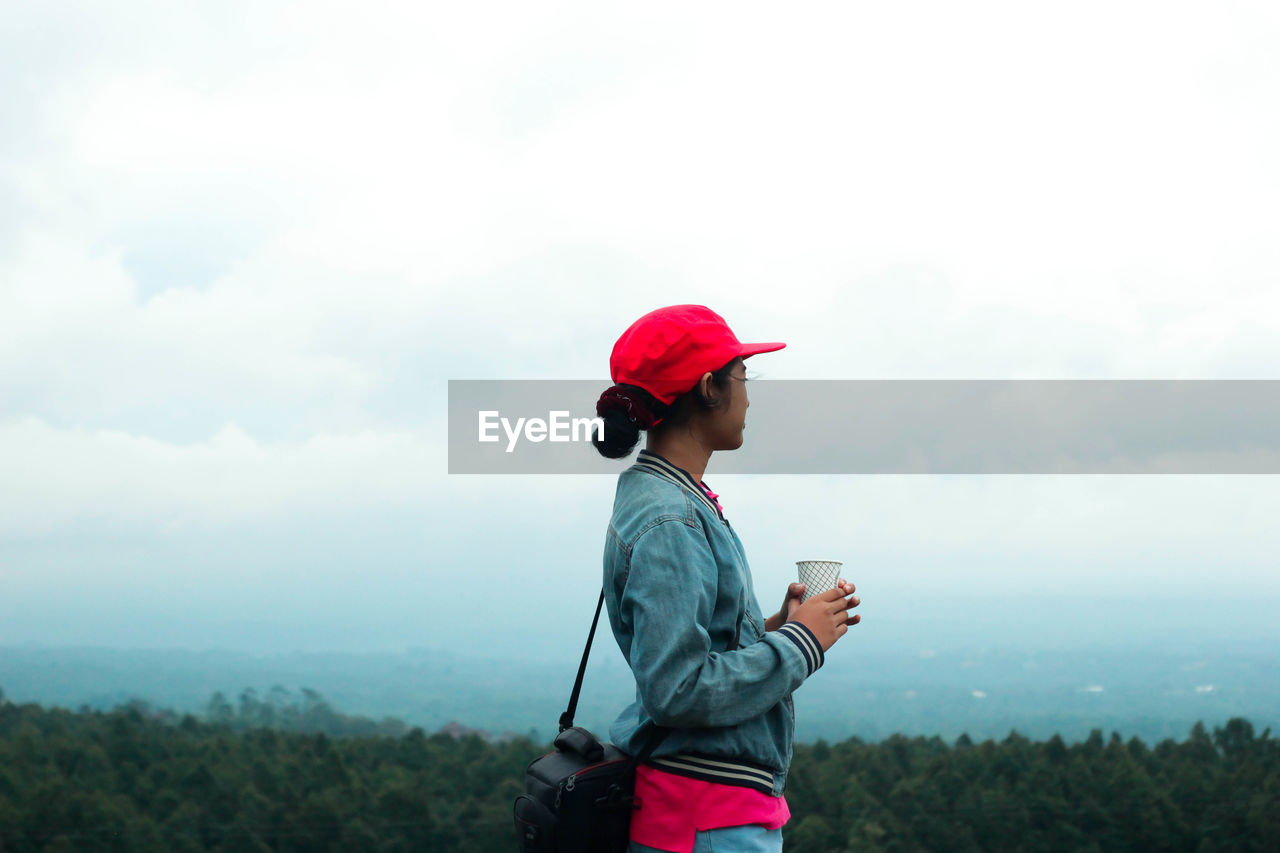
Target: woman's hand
<point>789,603</point>
<point>827,615</point>
<point>792,600</point>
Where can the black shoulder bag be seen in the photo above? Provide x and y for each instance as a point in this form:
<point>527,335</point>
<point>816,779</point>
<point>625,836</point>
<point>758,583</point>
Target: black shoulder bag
<point>579,798</point>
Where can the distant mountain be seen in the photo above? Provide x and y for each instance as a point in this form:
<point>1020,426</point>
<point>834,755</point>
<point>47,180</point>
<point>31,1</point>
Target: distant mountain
<point>985,693</point>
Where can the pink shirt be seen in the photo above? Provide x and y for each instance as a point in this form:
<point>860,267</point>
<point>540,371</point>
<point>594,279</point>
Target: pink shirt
<point>713,496</point>
<point>673,808</point>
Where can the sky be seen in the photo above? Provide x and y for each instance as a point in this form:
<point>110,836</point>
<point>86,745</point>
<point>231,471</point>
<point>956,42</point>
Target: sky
<point>245,246</point>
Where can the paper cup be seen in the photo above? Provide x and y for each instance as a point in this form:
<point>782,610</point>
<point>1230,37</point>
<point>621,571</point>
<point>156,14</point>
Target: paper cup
<point>818,576</point>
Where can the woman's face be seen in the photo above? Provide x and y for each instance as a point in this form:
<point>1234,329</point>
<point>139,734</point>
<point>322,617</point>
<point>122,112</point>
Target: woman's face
<point>726,422</point>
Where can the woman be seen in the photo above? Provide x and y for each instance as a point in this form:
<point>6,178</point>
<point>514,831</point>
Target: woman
<point>708,666</point>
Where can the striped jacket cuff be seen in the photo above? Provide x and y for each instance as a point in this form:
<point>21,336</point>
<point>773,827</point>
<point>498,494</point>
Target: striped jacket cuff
<point>808,644</point>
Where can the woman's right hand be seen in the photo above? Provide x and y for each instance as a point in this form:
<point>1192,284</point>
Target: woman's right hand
<point>827,614</point>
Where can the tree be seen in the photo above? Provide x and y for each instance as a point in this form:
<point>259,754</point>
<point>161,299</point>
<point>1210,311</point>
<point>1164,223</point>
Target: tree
<point>812,835</point>
<point>219,711</point>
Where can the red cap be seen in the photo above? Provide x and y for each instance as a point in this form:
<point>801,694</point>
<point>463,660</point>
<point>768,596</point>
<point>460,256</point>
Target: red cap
<point>666,351</point>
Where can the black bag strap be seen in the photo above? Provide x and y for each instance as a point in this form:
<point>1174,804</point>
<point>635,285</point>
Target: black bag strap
<point>566,719</point>
<point>656,736</point>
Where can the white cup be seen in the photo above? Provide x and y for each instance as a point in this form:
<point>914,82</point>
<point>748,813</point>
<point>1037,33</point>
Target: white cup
<point>818,576</point>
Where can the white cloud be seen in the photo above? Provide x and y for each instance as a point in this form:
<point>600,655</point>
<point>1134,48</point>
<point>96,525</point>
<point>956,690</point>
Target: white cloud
<point>301,223</point>
<point>56,477</point>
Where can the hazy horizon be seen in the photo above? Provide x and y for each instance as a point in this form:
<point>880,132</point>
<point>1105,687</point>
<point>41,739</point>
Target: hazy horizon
<point>243,251</point>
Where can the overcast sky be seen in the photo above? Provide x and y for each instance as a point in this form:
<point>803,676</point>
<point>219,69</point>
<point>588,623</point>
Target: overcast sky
<point>245,245</point>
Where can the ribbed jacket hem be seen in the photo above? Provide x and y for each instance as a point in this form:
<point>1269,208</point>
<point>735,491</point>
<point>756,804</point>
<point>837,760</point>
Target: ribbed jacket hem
<point>739,773</point>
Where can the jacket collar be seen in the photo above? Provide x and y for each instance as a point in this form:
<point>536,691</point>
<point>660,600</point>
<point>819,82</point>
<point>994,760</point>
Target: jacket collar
<point>651,461</point>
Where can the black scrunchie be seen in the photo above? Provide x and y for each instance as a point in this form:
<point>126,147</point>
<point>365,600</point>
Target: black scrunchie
<point>637,412</point>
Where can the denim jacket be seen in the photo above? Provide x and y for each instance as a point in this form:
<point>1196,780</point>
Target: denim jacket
<point>684,612</point>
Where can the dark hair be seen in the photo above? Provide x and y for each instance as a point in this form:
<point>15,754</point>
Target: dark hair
<point>627,409</point>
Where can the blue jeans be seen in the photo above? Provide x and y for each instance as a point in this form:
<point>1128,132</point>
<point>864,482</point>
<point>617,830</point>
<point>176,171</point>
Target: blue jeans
<point>731,839</point>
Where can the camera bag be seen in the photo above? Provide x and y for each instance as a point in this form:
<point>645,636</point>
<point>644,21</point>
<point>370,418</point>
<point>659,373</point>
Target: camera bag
<point>579,797</point>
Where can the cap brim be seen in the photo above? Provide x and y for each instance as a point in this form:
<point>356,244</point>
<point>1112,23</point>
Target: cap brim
<point>756,349</point>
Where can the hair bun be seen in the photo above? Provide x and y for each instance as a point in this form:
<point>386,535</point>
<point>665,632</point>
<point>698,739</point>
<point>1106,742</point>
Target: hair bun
<point>630,403</point>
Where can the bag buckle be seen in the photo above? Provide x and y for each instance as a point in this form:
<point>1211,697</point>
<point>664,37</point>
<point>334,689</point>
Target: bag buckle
<point>616,798</point>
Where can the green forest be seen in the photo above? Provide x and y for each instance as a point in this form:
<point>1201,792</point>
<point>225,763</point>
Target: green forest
<point>289,773</point>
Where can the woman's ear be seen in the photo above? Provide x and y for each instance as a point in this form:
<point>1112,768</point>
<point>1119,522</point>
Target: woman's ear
<point>710,394</point>
<point>705,385</point>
